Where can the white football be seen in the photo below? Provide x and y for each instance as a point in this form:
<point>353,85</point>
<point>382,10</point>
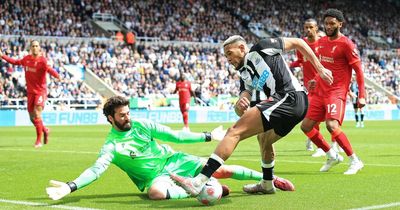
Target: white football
<point>211,192</point>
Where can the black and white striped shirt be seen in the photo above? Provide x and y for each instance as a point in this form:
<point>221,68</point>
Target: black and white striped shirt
<point>264,69</point>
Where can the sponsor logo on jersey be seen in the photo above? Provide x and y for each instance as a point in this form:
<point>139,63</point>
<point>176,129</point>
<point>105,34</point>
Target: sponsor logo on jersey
<point>30,69</point>
<point>259,83</point>
<point>326,59</point>
<point>254,82</point>
<point>263,78</point>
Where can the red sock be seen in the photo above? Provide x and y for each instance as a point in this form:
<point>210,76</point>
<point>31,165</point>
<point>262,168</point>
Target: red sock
<point>185,119</point>
<point>38,123</point>
<point>316,137</point>
<point>343,141</point>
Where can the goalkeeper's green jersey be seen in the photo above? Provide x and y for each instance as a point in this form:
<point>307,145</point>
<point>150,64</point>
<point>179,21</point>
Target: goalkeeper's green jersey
<point>137,153</point>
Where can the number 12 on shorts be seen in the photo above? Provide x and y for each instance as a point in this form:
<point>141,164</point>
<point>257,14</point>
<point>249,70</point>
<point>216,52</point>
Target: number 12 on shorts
<point>331,108</point>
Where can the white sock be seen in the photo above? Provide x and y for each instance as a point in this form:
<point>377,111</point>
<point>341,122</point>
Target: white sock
<point>267,184</point>
<point>331,153</point>
<point>353,157</point>
<point>267,165</point>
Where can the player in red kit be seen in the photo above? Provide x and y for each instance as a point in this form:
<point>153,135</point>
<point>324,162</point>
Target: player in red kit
<point>338,54</point>
<point>185,92</point>
<point>35,75</point>
<point>309,72</point>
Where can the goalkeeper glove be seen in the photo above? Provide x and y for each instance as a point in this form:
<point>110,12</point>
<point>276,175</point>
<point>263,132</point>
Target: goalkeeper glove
<point>60,189</point>
<point>218,133</point>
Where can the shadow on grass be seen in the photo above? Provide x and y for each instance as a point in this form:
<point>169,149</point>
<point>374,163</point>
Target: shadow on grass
<point>73,199</point>
<point>143,200</point>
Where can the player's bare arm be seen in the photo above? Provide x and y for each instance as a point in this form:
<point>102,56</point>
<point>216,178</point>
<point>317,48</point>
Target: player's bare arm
<point>243,103</point>
<point>360,82</point>
<point>301,45</point>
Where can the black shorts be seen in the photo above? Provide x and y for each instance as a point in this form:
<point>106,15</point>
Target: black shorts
<point>284,112</point>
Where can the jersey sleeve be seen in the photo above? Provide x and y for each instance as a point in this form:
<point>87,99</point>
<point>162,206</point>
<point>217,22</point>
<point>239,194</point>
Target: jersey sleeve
<point>99,167</point>
<point>48,69</point>
<point>12,61</point>
<point>51,71</point>
<point>165,133</point>
<point>351,53</point>
<point>269,46</point>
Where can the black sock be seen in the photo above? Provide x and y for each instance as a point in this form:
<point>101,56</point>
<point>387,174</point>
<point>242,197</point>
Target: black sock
<point>356,117</point>
<point>268,173</point>
<point>211,166</point>
<point>362,117</point>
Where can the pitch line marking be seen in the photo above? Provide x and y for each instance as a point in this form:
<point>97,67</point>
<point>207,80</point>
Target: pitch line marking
<point>50,151</point>
<point>233,158</point>
<point>315,162</point>
<point>26,203</point>
<point>383,206</point>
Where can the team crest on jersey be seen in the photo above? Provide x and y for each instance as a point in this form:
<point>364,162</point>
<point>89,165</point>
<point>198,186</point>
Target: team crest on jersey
<point>333,49</point>
<point>132,154</point>
<point>317,49</point>
<point>258,60</point>
<point>245,77</point>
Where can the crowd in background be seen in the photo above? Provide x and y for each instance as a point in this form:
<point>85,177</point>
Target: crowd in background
<point>201,21</point>
<point>12,78</point>
<point>151,70</point>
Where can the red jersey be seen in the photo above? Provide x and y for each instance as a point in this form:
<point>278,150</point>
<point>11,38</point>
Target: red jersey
<point>184,88</point>
<point>35,72</point>
<point>309,71</point>
<point>336,55</point>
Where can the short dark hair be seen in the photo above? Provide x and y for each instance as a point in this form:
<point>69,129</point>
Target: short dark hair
<point>334,13</point>
<point>112,103</point>
<point>311,20</point>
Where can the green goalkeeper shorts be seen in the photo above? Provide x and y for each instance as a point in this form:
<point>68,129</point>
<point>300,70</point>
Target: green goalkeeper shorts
<point>182,164</point>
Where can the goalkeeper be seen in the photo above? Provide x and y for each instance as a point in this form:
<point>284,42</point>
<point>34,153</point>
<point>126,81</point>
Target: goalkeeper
<point>131,146</point>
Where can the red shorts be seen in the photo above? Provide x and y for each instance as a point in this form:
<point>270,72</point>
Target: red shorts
<point>321,109</point>
<point>184,106</point>
<point>36,100</point>
<point>310,96</point>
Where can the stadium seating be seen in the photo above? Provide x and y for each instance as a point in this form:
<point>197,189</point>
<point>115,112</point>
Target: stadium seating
<point>151,70</point>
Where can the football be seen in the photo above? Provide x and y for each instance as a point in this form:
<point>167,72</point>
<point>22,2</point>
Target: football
<point>211,192</point>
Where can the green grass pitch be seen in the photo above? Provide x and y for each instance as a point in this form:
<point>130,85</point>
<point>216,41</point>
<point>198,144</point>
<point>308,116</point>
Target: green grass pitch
<point>25,171</point>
